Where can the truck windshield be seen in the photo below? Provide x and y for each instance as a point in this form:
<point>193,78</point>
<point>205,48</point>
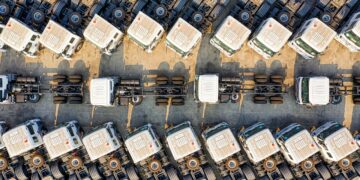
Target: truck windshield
<point>1,83</point>
<point>251,132</point>
<point>305,90</point>
<point>137,131</point>
<point>306,47</point>
<point>138,42</point>
<point>323,135</point>
<point>353,38</point>
<point>264,48</point>
<point>223,46</point>
<point>291,133</point>
<point>177,49</point>
<point>211,132</point>
<point>177,128</point>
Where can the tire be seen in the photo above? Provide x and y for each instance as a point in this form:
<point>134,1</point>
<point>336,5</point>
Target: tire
<point>259,97</point>
<point>56,171</point>
<point>59,80</point>
<point>276,102</point>
<point>38,16</point>
<point>59,102</point>
<point>172,174</point>
<point>248,172</point>
<point>161,80</point>
<point>75,98</point>
<point>79,46</point>
<point>260,78</point>
<point>130,82</point>
<point>4,163</point>
<point>21,173</point>
<point>356,166</point>
<point>260,101</point>
<point>209,173</point>
<point>34,98</point>
<point>285,172</point>
<point>178,80</point>
<point>356,100</point>
<point>336,99</point>
<point>277,98</point>
<point>131,173</point>
<point>72,177</point>
<point>339,177</point>
<point>323,171</point>
<point>59,98</point>
<point>136,100</point>
<point>75,102</point>
<point>94,172</point>
<point>59,76</point>
<point>35,176</point>
<point>177,101</point>
<point>162,101</point>
<point>277,79</point>
<point>58,7</point>
<point>75,77</point>
<point>95,9</point>
<point>187,177</point>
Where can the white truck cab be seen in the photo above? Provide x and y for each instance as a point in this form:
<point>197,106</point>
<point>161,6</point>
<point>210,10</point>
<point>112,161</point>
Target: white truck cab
<point>296,144</point>
<point>103,34</point>
<point>349,34</point>
<point>101,141</point>
<point>182,140</point>
<point>230,36</point>
<point>269,38</point>
<point>102,91</point>
<point>335,142</point>
<point>3,129</point>
<point>60,40</point>
<point>142,143</point>
<point>62,140</point>
<point>258,143</point>
<point>312,38</point>
<point>20,37</point>
<point>220,142</point>
<point>206,88</point>
<point>145,32</point>
<point>183,38</point>
<point>23,138</point>
<point>313,91</point>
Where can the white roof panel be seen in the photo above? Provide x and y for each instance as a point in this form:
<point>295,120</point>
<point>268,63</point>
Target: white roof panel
<point>232,33</point>
<point>144,29</point>
<point>100,92</point>
<point>18,141</point>
<point>341,144</point>
<point>222,145</point>
<point>99,143</point>
<point>56,38</point>
<point>16,34</point>
<point>183,143</point>
<point>142,146</point>
<point>101,32</point>
<point>273,35</point>
<point>319,90</point>
<point>59,142</point>
<point>262,145</point>
<point>318,35</point>
<point>208,88</point>
<point>183,35</point>
<point>301,146</point>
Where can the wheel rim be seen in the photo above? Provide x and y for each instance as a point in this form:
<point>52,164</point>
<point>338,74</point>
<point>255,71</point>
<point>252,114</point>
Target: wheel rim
<point>37,161</point>
<point>76,162</point>
<point>345,163</point>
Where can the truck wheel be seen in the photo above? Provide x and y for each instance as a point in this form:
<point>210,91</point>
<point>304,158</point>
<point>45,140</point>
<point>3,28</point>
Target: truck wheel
<point>4,9</point>
<point>94,172</point>
<point>161,101</point>
<point>269,165</point>
<point>260,101</point>
<point>130,82</point>
<point>278,79</point>
<point>3,163</point>
<point>59,76</point>
<point>59,98</point>
<point>260,78</point>
<point>131,172</point>
<point>285,172</point>
<point>75,102</point>
<point>178,101</point>
<point>35,176</point>
<point>161,80</point>
<point>235,98</point>
<point>34,98</point>
<point>172,174</point>
<point>323,171</point>
<point>249,174</point>
<point>59,102</point>
<point>259,97</point>
<point>356,166</point>
<point>58,7</point>
<point>178,80</point>
<point>209,173</point>
<point>21,173</point>
<point>73,177</point>
<point>136,100</point>
<point>356,100</point>
<point>345,163</point>
<point>75,78</point>
<point>340,177</point>
<point>56,171</point>
<point>75,98</point>
<point>357,79</point>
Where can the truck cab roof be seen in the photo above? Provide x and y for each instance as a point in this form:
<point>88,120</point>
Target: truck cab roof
<point>144,30</point>
<point>17,35</point>
<point>100,143</point>
<point>57,38</point>
<point>142,143</point>
<point>319,90</point>
<point>22,138</point>
<point>318,35</point>
<point>101,91</point>
<point>101,32</point>
<point>182,140</point>
<point>260,143</point>
<point>336,140</point>
<point>61,141</point>
<point>232,34</point>
<point>220,142</point>
<point>183,36</point>
<point>208,88</point>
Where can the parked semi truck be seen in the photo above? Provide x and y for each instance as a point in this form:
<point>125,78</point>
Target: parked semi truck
<point>107,154</point>
<point>212,88</point>
<point>111,91</point>
<point>185,148</point>
<point>264,153</point>
<point>225,152</point>
<point>6,13</point>
<point>301,152</point>
<point>22,31</point>
<point>339,150</point>
<point>349,34</point>
<point>148,154</point>
<point>7,170</point>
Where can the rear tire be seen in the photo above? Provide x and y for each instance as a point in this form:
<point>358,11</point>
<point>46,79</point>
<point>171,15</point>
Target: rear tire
<point>161,101</point>
<point>172,174</point>
<point>285,171</point>
<point>162,80</point>
<point>178,101</point>
<point>21,173</point>
<point>131,172</point>
<point>59,98</point>
<point>209,173</point>
<point>56,171</point>
<point>278,79</point>
<point>94,172</point>
<point>34,98</point>
<point>178,80</point>
<point>136,100</point>
<point>248,172</point>
<point>59,102</point>
<point>260,78</point>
